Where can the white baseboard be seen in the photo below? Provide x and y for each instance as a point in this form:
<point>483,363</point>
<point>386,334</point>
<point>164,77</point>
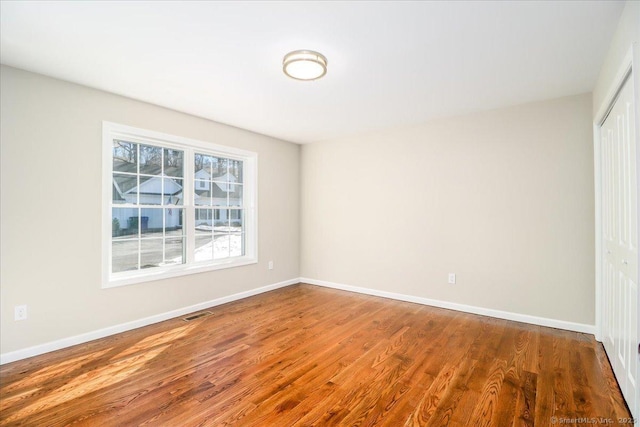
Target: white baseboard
<point>517,317</point>
<point>12,356</point>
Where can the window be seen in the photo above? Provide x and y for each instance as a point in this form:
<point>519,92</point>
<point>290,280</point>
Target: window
<point>174,206</point>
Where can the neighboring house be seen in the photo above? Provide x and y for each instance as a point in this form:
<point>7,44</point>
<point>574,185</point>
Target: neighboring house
<point>224,191</point>
<point>218,191</point>
<point>218,187</point>
<point>151,192</point>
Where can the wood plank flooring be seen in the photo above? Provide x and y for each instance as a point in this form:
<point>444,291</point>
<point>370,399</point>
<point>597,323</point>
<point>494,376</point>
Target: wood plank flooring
<point>305,355</point>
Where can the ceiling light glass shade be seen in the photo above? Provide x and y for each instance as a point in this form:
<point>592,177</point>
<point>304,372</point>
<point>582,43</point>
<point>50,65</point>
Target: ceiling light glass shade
<point>304,65</point>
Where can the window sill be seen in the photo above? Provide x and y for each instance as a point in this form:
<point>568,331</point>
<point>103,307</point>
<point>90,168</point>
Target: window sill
<point>160,273</point>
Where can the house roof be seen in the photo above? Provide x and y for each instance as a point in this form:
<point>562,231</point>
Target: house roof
<point>127,184</point>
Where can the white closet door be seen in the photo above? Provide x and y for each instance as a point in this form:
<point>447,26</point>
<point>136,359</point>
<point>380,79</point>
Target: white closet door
<point>620,244</point>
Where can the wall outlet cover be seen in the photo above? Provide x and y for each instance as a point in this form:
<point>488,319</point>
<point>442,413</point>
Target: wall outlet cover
<point>20,312</point>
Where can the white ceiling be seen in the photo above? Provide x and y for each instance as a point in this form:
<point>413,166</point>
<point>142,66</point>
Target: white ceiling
<point>390,63</point>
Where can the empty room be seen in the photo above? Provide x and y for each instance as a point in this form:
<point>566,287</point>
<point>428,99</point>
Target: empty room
<point>319,213</point>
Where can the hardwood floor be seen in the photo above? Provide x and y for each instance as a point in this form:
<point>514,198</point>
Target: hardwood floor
<point>305,355</point>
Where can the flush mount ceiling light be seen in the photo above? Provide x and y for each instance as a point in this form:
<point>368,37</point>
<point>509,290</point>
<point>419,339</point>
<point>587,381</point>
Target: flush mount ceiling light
<point>304,65</point>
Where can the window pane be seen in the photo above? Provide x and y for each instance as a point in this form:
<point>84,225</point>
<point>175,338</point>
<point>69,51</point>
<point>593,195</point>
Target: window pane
<point>204,247</point>
<point>236,224</point>
<point>219,192</point>
<point>124,188</point>
<point>125,156</point>
<point>116,196</point>
<point>174,251</point>
<point>151,222</point>
<point>236,245</point>
<point>235,171</point>
<point>124,255</point>
<point>219,168</point>
<point>221,220</point>
<point>173,162</point>
<point>198,163</point>
<point>203,193</point>
<point>235,195</point>
<point>204,220</point>
<point>221,246</point>
<point>124,222</point>
<point>150,190</point>
<point>202,165</point>
<point>150,253</point>
<point>150,160</point>
<point>173,222</point>
<point>172,191</point>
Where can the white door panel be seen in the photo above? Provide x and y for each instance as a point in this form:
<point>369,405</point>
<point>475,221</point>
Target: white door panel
<point>619,256</point>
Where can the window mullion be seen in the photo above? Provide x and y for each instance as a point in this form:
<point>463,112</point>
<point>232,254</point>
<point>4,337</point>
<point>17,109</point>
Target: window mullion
<point>139,236</point>
<point>138,181</point>
<point>163,205</point>
<point>188,219</point>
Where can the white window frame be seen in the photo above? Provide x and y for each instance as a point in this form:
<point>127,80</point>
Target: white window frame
<point>111,131</point>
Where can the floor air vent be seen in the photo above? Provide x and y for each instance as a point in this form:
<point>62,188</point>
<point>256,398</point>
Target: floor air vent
<point>197,316</point>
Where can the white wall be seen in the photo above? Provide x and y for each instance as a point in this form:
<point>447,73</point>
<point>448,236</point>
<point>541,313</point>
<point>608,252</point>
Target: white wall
<point>627,35</point>
<point>503,198</point>
<point>50,149</point>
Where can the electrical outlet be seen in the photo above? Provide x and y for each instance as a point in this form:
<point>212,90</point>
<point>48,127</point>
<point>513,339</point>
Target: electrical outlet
<point>270,265</point>
<point>20,312</point>
<point>452,278</point>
